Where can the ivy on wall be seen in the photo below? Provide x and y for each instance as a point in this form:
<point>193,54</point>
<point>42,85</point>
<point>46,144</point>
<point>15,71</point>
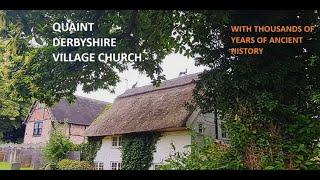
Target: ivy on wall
<point>137,150</point>
<point>89,149</point>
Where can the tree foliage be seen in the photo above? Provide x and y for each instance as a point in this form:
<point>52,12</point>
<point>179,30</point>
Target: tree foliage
<point>270,102</point>
<point>38,76</point>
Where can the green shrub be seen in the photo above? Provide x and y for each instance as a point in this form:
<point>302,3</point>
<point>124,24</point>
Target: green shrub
<point>67,164</point>
<point>56,149</point>
<point>208,156</point>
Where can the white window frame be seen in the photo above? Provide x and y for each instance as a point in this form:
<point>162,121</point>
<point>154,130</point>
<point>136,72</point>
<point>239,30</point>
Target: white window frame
<point>118,165</point>
<point>99,165</point>
<point>118,142</point>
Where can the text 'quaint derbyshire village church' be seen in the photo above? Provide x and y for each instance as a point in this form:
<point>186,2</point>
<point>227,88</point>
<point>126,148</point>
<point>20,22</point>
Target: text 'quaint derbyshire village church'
<point>140,109</point>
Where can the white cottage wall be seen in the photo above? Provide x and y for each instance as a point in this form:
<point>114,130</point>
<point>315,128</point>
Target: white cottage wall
<point>180,139</point>
<point>164,148</point>
<point>108,153</point>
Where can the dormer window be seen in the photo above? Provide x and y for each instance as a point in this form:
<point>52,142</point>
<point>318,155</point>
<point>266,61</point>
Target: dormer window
<point>116,141</point>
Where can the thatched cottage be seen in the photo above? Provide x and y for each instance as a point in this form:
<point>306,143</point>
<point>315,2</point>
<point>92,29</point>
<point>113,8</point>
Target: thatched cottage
<point>150,108</point>
<point>70,119</point>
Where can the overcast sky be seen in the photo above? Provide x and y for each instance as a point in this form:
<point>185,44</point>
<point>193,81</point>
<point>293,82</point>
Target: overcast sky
<point>172,65</point>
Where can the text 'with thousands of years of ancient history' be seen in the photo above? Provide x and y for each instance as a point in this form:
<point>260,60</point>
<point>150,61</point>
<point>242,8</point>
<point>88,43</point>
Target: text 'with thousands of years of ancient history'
<point>251,40</point>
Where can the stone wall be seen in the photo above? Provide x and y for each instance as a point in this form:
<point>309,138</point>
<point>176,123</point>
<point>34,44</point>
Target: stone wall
<point>28,156</point>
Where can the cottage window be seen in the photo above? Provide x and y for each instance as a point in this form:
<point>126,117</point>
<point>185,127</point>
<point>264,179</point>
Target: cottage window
<point>98,165</point>
<point>37,129</point>
<point>116,165</point>
<point>200,128</point>
<point>116,141</point>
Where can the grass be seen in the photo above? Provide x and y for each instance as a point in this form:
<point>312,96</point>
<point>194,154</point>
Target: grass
<point>7,166</point>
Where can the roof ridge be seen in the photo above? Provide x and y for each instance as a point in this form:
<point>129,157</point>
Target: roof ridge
<point>91,99</point>
<point>154,88</point>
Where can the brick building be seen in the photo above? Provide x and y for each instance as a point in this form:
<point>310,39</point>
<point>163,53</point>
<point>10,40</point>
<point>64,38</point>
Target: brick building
<point>70,119</point>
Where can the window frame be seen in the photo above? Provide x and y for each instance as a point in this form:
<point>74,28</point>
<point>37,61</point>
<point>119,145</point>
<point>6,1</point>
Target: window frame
<point>117,143</point>
<point>37,128</point>
<point>99,165</point>
<point>118,165</point>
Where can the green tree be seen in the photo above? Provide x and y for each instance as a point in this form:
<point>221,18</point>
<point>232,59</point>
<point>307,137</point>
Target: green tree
<point>270,102</point>
<point>38,76</point>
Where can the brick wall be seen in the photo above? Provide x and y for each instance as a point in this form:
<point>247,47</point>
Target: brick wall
<point>72,131</point>
<point>38,115</point>
<point>77,133</point>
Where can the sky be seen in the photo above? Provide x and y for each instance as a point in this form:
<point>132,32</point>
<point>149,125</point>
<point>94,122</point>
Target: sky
<point>172,65</point>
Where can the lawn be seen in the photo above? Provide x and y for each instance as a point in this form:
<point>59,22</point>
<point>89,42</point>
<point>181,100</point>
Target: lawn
<point>7,166</point>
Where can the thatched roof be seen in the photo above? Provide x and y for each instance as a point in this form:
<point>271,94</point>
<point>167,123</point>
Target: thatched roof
<point>147,108</point>
<point>82,112</point>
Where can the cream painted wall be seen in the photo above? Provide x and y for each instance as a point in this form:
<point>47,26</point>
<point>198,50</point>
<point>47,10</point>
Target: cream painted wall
<point>107,153</point>
<point>180,139</point>
<point>164,148</point>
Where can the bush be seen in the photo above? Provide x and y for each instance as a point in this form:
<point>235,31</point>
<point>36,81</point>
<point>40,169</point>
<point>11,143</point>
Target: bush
<point>209,156</point>
<point>56,149</point>
<point>67,164</point>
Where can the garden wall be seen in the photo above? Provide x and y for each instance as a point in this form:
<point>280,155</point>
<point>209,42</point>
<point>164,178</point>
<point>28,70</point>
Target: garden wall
<point>26,154</point>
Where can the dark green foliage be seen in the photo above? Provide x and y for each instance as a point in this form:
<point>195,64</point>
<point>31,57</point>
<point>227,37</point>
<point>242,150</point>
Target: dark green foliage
<point>11,130</point>
<point>137,150</point>
<point>89,149</point>
<point>270,102</point>
<point>37,75</point>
